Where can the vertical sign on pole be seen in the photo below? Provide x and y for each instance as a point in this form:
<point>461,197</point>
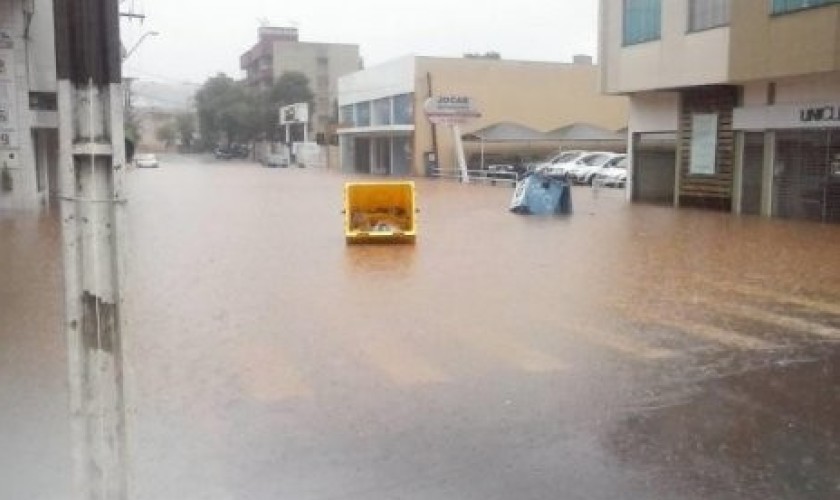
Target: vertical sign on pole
<point>295,114</point>
<point>454,111</point>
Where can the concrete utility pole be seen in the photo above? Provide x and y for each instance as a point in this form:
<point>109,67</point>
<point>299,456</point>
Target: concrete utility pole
<point>92,163</point>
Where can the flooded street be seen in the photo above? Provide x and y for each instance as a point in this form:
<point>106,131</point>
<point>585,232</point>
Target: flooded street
<point>627,351</point>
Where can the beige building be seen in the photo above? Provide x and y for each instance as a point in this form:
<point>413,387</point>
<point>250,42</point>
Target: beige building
<point>734,105</point>
<point>383,129</point>
<point>279,50</point>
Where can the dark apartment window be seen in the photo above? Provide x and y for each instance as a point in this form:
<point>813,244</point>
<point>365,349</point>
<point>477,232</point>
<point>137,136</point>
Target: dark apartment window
<point>782,6</point>
<point>43,101</point>
<point>642,21</point>
<point>706,14</point>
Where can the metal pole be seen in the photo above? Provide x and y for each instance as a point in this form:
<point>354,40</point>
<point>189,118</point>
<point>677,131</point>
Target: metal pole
<point>432,124</point>
<point>92,160</point>
<point>459,152</point>
<point>288,145</point>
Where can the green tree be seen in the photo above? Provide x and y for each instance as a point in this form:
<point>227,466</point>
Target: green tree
<point>291,88</point>
<point>185,124</point>
<point>239,113</point>
<point>167,134</point>
<point>224,111</point>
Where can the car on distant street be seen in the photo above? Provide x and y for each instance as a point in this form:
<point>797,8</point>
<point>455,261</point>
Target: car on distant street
<point>506,171</point>
<point>588,166</point>
<point>234,151</point>
<point>556,165</point>
<point>276,160</point>
<point>614,173</point>
<point>146,161</point>
<point>222,154</point>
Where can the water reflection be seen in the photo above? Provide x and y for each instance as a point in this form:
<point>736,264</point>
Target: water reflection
<point>485,361</point>
<point>752,436</point>
<point>394,260</point>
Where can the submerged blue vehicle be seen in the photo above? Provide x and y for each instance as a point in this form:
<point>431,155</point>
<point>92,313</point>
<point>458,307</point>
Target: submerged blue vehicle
<point>539,194</point>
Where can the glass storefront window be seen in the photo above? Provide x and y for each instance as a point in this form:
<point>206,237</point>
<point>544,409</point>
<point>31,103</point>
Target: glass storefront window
<point>803,182</point>
<point>401,154</point>
<point>382,111</point>
<point>404,109</point>
<point>347,116</point>
<point>363,114</point>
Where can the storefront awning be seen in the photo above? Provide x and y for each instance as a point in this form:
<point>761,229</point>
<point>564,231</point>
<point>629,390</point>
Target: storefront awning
<point>506,132</point>
<point>579,132</point>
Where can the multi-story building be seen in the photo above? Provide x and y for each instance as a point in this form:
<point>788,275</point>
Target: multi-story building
<point>734,104</point>
<point>383,129</point>
<point>28,117</point>
<point>279,50</point>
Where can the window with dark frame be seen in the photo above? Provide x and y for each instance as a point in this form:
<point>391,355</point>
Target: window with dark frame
<point>708,14</point>
<point>784,6</point>
<point>642,21</point>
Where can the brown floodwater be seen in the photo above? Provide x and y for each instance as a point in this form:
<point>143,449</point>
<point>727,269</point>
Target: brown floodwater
<point>624,351</point>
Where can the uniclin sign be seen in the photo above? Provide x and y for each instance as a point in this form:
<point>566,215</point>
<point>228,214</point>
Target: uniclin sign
<point>820,114</point>
<point>787,116</point>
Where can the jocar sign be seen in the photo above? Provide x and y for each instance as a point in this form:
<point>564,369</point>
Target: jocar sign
<point>451,109</point>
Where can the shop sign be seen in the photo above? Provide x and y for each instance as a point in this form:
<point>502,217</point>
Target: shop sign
<point>820,114</point>
<point>787,116</point>
<point>8,111</point>
<point>451,109</point>
<point>6,40</point>
<point>294,113</point>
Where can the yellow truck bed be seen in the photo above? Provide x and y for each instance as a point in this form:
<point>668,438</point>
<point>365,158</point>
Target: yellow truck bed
<point>380,212</point>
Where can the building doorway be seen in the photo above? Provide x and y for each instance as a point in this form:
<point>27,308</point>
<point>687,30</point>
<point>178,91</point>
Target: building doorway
<point>45,148</point>
<point>752,173</point>
<point>361,155</point>
<point>807,175</point>
<point>654,167</point>
<point>381,164</point>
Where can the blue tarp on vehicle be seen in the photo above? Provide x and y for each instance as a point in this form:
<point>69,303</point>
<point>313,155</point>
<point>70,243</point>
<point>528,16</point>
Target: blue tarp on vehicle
<point>541,195</point>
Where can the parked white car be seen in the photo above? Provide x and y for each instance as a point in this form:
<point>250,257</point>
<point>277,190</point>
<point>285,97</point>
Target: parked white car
<point>146,161</point>
<point>589,165</point>
<point>614,173</point>
<point>557,164</point>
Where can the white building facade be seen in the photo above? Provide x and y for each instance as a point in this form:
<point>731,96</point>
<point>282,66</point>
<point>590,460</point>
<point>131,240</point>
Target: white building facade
<point>28,116</point>
<point>376,112</point>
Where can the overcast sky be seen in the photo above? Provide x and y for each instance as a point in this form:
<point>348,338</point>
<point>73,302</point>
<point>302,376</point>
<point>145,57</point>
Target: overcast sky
<point>199,38</point>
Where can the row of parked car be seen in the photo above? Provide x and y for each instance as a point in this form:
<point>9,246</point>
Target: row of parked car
<point>587,167</point>
<point>579,167</point>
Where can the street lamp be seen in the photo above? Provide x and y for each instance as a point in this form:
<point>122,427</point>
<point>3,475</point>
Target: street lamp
<point>145,35</point>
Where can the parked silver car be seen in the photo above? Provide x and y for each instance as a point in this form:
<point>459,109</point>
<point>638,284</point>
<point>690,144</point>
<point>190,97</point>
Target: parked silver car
<point>614,173</point>
<point>589,165</point>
